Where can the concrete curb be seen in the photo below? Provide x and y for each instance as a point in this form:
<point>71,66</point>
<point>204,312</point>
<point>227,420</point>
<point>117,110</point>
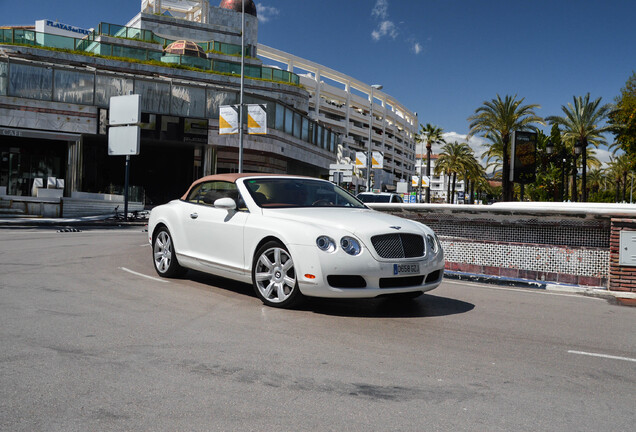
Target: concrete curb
<point>624,298</point>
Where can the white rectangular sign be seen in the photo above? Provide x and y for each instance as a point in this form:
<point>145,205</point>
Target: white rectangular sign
<point>124,110</point>
<point>378,160</point>
<point>123,140</point>
<point>228,119</point>
<point>256,119</point>
<point>361,159</point>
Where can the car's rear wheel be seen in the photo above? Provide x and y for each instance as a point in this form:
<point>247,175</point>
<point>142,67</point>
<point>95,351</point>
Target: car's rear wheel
<point>274,276</point>
<point>164,256</point>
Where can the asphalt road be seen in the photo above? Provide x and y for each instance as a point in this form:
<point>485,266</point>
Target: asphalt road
<point>91,339</point>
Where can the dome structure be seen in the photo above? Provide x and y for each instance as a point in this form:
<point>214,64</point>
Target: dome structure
<point>235,5</point>
<point>185,47</point>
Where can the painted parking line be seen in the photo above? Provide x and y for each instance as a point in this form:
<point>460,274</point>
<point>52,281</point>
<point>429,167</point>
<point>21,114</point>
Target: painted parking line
<point>143,275</point>
<point>606,356</point>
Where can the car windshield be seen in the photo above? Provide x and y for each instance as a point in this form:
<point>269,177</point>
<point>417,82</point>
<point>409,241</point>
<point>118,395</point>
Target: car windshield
<point>299,192</point>
<point>374,198</point>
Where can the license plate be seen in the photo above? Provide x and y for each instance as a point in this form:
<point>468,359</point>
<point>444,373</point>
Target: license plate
<point>400,269</point>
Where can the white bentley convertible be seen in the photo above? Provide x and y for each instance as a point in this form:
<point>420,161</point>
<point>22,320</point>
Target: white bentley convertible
<point>291,237</point>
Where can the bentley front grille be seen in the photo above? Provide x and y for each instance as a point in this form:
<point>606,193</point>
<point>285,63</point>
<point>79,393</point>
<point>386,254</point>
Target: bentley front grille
<point>398,245</point>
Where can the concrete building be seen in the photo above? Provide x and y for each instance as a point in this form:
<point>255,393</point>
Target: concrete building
<point>343,103</point>
<point>439,183</point>
<point>56,81</point>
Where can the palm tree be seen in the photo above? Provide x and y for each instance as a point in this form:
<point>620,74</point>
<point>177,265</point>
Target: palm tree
<point>430,135</point>
<point>502,118</point>
<point>581,125</point>
<point>618,170</point>
<point>454,158</point>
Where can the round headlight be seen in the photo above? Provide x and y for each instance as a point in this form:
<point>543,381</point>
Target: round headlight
<point>350,245</point>
<point>432,244</point>
<point>326,244</point>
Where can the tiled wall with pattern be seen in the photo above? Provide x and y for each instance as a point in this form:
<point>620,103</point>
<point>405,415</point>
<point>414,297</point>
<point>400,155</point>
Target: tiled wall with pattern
<point>552,249</point>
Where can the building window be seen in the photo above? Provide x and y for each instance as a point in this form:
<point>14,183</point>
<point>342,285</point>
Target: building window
<point>4,72</point>
<point>155,96</point>
<point>31,82</point>
<point>217,98</point>
<point>107,86</point>
<point>280,117</point>
<point>74,87</point>
<point>188,101</point>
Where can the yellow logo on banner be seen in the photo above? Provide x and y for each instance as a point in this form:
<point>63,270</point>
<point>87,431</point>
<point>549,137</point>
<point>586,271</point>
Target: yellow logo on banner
<point>223,124</point>
<point>252,124</point>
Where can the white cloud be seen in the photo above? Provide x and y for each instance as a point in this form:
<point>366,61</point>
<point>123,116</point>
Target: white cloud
<point>266,13</point>
<point>385,28</point>
<point>478,144</point>
<point>417,48</point>
<point>603,155</point>
<point>380,9</point>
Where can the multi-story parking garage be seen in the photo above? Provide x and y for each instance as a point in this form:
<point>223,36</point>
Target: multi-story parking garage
<point>183,58</point>
<point>343,103</point>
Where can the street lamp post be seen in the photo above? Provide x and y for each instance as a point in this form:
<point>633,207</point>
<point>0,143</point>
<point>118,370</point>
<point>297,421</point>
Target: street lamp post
<point>578,147</point>
<point>370,149</point>
<point>428,171</point>
<point>562,156</point>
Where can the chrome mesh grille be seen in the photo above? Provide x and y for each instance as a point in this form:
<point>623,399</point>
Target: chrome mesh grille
<point>398,245</point>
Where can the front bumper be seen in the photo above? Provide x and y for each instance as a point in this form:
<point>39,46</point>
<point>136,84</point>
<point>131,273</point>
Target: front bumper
<point>310,261</point>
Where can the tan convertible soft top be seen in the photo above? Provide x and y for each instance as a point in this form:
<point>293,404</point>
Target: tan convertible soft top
<point>232,177</point>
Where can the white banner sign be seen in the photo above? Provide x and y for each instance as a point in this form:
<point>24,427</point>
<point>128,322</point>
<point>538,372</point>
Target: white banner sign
<point>361,159</point>
<point>256,119</point>
<point>378,160</point>
<point>228,119</point>
<point>415,179</point>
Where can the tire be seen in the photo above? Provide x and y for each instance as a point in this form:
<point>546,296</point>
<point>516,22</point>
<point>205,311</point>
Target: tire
<point>274,276</point>
<point>164,256</point>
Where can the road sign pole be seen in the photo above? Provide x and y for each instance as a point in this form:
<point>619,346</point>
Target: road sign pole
<point>126,178</point>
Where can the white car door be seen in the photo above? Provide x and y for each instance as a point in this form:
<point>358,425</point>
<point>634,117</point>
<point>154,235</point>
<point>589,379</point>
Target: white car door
<point>215,236</point>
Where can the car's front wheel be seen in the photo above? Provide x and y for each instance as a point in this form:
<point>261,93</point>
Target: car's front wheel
<point>274,276</point>
<point>164,256</point>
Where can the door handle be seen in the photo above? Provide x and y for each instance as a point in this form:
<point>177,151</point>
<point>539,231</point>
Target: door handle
<point>194,215</point>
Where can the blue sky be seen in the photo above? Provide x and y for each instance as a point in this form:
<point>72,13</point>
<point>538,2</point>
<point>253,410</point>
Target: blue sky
<point>440,58</point>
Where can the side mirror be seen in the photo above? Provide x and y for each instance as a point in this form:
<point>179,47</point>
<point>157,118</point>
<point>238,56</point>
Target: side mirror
<point>225,203</point>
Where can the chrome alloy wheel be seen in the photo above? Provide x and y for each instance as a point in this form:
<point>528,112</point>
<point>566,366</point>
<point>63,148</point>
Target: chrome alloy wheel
<point>274,276</point>
<point>162,251</point>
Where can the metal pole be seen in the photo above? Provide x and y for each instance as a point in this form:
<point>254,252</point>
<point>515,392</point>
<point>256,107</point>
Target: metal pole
<point>369,151</point>
<point>428,172</point>
<point>126,188</point>
<point>240,162</point>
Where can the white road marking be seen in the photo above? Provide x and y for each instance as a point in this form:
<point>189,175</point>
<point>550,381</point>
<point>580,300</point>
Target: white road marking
<point>527,290</point>
<point>143,275</point>
<point>144,245</point>
<point>602,356</point>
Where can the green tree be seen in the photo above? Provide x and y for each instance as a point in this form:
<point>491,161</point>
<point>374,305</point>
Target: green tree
<point>455,158</point>
<point>429,135</point>
<point>619,170</point>
<point>623,119</point>
<point>502,117</point>
<point>582,124</point>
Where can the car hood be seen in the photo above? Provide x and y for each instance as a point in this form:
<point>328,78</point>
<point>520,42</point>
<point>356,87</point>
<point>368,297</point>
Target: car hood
<point>361,222</point>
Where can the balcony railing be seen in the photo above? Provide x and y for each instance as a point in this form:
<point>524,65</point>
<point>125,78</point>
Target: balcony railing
<point>90,45</point>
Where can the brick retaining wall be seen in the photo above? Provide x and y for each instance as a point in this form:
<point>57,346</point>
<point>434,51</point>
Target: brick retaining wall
<point>622,278</point>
